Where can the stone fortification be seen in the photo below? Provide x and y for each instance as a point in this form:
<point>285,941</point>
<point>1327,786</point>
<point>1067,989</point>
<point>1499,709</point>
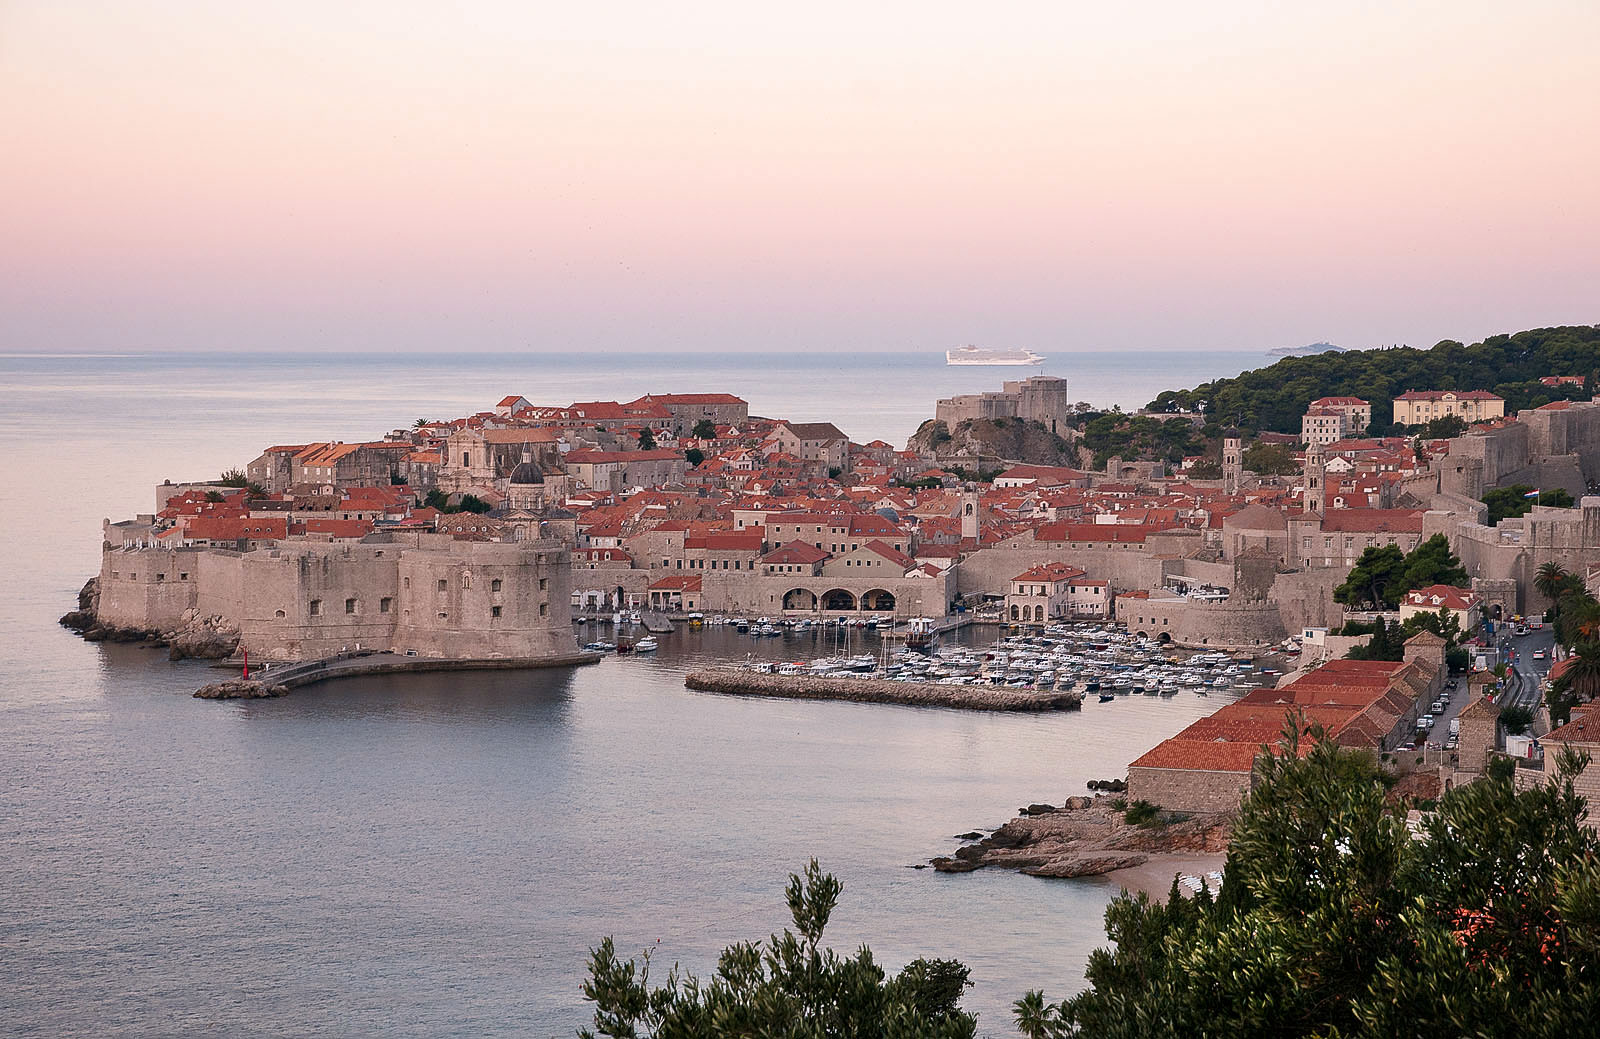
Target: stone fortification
<point>429,596</point>
<point>1543,448</point>
<point>1042,398</point>
<point>1514,550</point>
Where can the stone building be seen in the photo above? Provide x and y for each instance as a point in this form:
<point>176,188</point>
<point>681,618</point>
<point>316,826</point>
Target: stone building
<point>1333,418</point>
<point>1419,407</point>
<point>476,458</point>
<point>687,409</point>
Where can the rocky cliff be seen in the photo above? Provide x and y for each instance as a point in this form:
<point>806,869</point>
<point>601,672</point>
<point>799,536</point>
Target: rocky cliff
<point>1012,440</point>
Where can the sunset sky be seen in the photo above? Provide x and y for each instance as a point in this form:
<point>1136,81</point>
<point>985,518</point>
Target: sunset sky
<point>395,175</point>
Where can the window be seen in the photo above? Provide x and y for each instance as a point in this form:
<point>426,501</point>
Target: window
<point>385,604</point>
<point>544,609</point>
<point>494,611</point>
<point>183,577</point>
<point>443,584</point>
<point>316,607</point>
<point>160,578</point>
<point>495,585</point>
<point>544,583</point>
<point>407,584</point>
<point>279,615</point>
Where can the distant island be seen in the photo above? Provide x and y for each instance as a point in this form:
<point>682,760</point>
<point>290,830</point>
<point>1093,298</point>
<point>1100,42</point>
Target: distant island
<point>1305,351</point>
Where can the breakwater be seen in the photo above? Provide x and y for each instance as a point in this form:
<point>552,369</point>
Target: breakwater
<point>279,679</point>
<point>868,690</point>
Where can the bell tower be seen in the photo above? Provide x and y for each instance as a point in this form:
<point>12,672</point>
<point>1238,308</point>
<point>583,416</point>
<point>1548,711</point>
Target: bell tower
<point>1316,479</point>
<point>969,512</point>
<point>1232,462</point>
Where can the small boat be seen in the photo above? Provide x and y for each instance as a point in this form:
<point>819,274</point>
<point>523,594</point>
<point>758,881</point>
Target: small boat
<point>1107,697</point>
<point>646,645</point>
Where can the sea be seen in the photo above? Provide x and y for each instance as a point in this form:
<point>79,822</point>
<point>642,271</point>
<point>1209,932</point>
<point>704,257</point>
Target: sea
<point>436,855</point>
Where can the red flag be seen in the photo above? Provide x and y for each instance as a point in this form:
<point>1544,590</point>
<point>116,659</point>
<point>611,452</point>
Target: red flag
<point>247,663</point>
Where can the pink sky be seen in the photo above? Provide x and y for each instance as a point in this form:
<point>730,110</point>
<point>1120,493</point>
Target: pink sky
<point>841,176</point>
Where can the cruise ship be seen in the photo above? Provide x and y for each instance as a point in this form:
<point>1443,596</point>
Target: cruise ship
<point>979,355</point>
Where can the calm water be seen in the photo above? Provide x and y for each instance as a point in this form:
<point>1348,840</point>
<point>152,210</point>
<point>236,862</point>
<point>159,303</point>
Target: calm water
<point>435,855</point>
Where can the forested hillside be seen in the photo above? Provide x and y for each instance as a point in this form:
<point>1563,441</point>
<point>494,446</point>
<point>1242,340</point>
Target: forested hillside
<point>1274,397</point>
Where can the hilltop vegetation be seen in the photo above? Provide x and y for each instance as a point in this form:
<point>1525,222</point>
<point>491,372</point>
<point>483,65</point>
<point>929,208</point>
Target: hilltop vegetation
<point>1273,398</point>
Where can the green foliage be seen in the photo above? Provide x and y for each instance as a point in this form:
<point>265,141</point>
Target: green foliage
<point>705,429</point>
<point>1445,427</point>
<point>1333,921</point>
<point>1276,396</point>
<point>1432,562</point>
<point>1113,434</point>
<point>398,479</point>
<point>1582,677</point>
<point>214,496</point>
<point>1140,813</point>
<point>234,478</point>
<point>437,499</point>
<point>788,987</point>
<point>647,440</point>
<point>1369,583</point>
<point>1387,643</point>
<point>1510,502</point>
<point>834,472</point>
<point>1456,658</point>
<point>1516,719</point>
<point>1270,459</point>
<point>694,456</point>
<point>1383,575</point>
<point>1207,470</point>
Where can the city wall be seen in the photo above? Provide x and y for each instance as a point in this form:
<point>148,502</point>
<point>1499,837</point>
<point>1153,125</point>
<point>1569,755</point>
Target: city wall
<point>1188,790</point>
<point>308,600</point>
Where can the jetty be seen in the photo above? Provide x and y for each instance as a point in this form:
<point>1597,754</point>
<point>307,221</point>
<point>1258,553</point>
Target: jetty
<point>275,679</point>
<point>870,690</point>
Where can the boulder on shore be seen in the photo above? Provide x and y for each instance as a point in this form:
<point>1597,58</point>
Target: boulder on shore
<point>203,643</point>
<point>240,689</point>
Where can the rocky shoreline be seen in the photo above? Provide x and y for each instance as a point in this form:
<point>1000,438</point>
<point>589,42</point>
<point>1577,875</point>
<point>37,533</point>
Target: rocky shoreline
<point>200,638</point>
<point>866,690</point>
<point>1086,837</point>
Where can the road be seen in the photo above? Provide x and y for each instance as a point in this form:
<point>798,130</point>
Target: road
<point>1529,670</point>
<point>1522,687</point>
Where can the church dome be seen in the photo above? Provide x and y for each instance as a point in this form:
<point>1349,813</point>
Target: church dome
<point>527,473</point>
